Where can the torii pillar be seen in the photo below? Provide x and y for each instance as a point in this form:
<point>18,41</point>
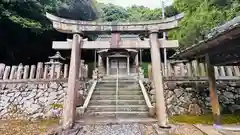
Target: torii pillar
<point>69,107</point>
<point>158,79</point>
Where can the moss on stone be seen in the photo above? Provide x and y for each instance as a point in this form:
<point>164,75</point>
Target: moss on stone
<point>57,106</point>
<point>205,119</point>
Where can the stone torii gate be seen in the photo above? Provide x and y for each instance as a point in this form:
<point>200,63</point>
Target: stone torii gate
<point>79,28</point>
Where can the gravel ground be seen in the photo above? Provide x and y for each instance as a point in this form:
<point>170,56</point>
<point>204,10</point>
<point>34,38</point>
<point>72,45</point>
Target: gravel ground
<point>17,127</point>
<point>131,129</point>
<point>120,129</point>
<point>41,128</point>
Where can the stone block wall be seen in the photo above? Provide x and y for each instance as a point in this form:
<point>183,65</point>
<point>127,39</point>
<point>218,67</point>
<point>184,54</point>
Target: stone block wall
<point>33,100</point>
<point>194,98</point>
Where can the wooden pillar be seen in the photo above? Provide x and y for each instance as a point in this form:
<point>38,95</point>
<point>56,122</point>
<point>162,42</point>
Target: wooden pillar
<point>158,79</point>
<point>136,60</point>
<point>65,71</point>
<point>165,61</point>
<point>213,91</point>
<point>95,59</point>
<point>99,60</point>
<point>69,110</point>
<point>141,57</point>
<point>128,65</point>
<point>107,65</point>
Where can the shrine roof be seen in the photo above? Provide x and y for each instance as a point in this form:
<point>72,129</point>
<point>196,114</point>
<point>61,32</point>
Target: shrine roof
<point>222,44</point>
<point>79,26</point>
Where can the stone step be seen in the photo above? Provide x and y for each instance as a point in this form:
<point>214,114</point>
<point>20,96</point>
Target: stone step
<point>120,87</point>
<point>119,114</point>
<point>120,102</point>
<point>114,120</point>
<point>105,89</point>
<point>119,80</point>
<point>113,108</point>
<point>120,92</point>
<point>120,97</point>
<point>113,84</point>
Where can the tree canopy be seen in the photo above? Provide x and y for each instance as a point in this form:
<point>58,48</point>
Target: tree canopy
<point>201,16</point>
<point>26,34</point>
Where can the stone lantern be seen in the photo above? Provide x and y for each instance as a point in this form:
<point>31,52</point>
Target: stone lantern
<point>55,64</point>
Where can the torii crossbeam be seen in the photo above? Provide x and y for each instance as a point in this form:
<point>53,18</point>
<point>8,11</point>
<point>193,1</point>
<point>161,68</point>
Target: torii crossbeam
<point>125,44</point>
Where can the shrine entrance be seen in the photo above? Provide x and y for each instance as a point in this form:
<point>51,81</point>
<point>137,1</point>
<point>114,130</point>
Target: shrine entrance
<point>118,66</point>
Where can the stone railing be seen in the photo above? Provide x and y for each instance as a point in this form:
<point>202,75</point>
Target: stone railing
<point>40,71</point>
<point>195,71</point>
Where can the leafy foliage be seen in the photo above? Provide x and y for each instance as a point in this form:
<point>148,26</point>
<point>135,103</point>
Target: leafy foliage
<point>113,13</point>
<point>25,33</point>
<point>201,16</point>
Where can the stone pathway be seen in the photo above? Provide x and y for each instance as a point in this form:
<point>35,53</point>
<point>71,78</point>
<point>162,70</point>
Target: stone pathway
<point>132,129</point>
<point>118,129</point>
<point>185,129</point>
<point>210,130</point>
<point>121,129</point>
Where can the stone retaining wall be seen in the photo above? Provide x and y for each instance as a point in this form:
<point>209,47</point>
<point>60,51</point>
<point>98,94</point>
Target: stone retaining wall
<point>34,100</point>
<point>192,98</point>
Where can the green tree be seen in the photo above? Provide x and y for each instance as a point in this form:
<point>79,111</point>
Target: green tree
<point>200,17</point>
<point>26,34</point>
<point>113,13</point>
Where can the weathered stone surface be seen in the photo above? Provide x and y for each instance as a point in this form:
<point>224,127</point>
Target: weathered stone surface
<point>32,101</point>
<point>229,94</point>
<point>194,109</point>
<point>184,98</point>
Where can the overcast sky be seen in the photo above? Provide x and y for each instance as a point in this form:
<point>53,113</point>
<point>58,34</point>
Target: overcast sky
<point>146,3</point>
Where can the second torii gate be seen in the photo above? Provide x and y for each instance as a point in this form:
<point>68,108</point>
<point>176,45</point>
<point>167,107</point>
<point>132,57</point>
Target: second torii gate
<point>79,28</point>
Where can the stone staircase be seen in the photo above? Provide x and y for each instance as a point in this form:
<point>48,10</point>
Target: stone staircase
<point>125,102</point>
